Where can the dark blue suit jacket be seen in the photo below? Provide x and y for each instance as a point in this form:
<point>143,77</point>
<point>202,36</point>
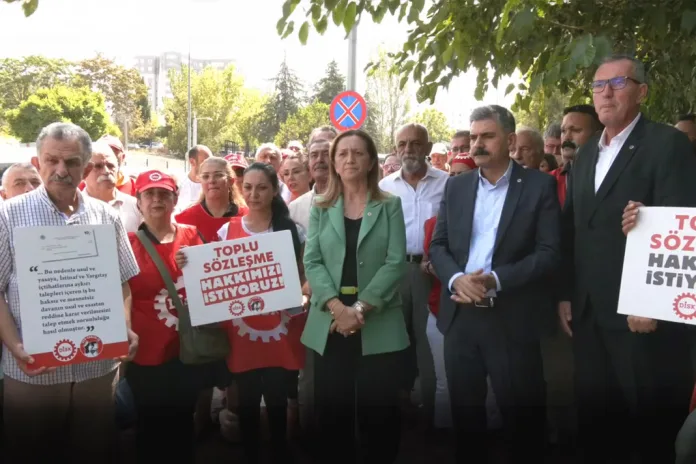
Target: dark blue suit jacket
<point>527,248</point>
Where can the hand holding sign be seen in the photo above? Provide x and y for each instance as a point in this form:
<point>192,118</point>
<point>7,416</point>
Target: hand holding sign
<point>630,216</point>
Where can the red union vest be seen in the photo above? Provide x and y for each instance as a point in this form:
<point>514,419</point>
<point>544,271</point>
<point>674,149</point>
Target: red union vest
<point>268,340</point>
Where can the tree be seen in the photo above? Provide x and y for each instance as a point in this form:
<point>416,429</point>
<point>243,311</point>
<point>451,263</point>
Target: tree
<point>29,6</point>
<point>554,44</point>
<point>300,125</point>
<point>389,104</point>
<point>436,123</point>
<point>250,117</point>
<point>215,94</point>
<point>124,89</point>
<point>330,85</point>
<point>546,107</point>
<point>286,100</point>
<point>82,106</point>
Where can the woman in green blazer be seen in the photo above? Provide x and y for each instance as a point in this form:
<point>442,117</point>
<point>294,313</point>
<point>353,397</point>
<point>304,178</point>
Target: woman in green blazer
<point>355,257</point>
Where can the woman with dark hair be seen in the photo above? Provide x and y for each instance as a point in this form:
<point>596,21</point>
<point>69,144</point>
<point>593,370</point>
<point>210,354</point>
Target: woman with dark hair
<point>548,163</point>
<point>355,259</point>
<point>265,350</point>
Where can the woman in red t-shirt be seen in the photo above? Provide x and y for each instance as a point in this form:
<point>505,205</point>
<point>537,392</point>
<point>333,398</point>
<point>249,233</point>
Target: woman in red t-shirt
<point>265,350</point>
<point>220,199</point>
<point>164,390</point>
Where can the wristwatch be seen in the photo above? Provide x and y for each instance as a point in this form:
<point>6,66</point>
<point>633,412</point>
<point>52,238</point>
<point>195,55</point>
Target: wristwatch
<point>359,307</point>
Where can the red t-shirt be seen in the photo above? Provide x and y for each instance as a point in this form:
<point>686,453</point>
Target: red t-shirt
<point>266,340</point>
<point>434,297</point>
<point>208,225</point>
<point>153,315</point>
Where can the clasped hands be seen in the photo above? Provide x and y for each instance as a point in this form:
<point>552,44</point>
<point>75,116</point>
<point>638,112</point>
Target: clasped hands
<point>472,288</point>
<point>347,320</point>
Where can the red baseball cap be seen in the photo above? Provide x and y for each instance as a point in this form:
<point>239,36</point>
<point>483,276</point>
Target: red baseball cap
<point>237,160</point>
<point>464,158</point>
<point>113,142</point>
<point>155,179</point>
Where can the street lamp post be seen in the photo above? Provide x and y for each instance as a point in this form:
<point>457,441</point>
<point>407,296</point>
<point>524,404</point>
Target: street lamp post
<point>195,128</point>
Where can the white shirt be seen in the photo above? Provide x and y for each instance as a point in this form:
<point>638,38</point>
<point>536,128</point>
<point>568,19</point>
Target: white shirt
<point>127,208</point>
<point>189,193</point>
<point>285,192</point>
<point>36,209</point>
<point>608,153</point>
<point>418,205</point>
<point>301,207</point>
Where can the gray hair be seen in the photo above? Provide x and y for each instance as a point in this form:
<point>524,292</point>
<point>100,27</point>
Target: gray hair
<point>318,130</point>
<point>267,146</point>
<point>67,131</point>
<point>553,131</point>
<point>537,139</point>
<point>461,133</point>
<point>501,115</point>
<point>638,66</point>
<point>413,125</point>
<point>15,167</point>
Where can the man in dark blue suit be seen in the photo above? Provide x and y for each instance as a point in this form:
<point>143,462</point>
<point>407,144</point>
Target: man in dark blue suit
<point>496,246</point>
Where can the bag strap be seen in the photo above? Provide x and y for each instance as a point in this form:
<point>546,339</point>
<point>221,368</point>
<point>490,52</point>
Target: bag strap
<point>164,272</point>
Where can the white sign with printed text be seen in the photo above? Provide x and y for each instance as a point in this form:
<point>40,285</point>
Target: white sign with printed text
<point>659,271</point>
<point>243,277</point>
<point>71,303</point>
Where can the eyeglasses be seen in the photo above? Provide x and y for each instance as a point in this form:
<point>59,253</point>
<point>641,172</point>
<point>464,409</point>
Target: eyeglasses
<point>100,166</point>
<point>616,83</point>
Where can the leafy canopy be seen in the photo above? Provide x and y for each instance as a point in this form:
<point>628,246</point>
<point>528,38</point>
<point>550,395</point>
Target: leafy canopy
<point>554,44</point>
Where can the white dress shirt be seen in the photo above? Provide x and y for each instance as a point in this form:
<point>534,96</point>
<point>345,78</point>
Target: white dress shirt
<point>608,153</point>
<point>127,208</point>
<point>301,207</point>
<point>418,205</point>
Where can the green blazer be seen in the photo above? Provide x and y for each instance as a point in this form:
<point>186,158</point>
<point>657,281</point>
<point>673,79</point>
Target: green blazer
<point>381,267</point>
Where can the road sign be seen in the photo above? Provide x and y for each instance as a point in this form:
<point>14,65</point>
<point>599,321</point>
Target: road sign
<point>348,111</point>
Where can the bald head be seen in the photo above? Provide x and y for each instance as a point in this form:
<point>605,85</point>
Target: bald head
<point>197,155</point>
<point>412,147</point>
<point>18,179</point>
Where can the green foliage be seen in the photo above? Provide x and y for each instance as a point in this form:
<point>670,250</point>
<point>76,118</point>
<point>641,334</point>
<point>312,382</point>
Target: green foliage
<point>554,44</point>
<point>28,6</point>
<point>300,125</point>
<point>545,107</point>
<point>330,85</point>
<point>79,106</point>
<point>387,103</point>
<point>286,100</point>
<point>436,123</point>
<point>215,94</point>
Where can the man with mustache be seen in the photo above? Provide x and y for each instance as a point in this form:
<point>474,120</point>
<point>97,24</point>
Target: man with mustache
<point>580,122</point>
<point>318,155</point>
<point>552,141</point>
<point>529,148</point>
<point>495,247</point>
<point>420,187</point>
<point>633,374</point>
<point>100,183</point>
<point>64,413</point>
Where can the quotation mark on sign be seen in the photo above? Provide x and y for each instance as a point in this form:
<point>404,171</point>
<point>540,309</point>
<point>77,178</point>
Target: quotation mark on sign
<point>34,269</point>
<point>90,328</point>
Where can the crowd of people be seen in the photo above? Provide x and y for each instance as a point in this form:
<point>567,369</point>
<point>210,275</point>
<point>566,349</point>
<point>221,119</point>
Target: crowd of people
<point>486,274</point>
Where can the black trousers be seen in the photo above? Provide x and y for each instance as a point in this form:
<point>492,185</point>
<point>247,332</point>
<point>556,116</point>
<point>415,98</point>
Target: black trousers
<point>478,346</point>
<point>165,400</point>
<point>357,393</point>
<point>633,391</point>
<point>272,384</point>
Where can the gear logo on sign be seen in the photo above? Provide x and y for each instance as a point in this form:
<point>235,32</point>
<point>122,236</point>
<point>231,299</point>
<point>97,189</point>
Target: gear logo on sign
<point>252,327</point>
<point>65,350</point>
<point>91,346</point>
<point>155,176</point>
<point>163,304</point>
<point>685,306</point>
<point>256,304</point>
<point>236,308</point>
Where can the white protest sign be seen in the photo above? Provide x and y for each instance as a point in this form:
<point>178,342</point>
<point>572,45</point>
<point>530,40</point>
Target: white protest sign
<point>70,298</point>
<point>243,277</point>
<point>659,271</point>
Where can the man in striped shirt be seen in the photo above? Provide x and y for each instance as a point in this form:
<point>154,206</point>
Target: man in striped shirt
<point>66,409</point>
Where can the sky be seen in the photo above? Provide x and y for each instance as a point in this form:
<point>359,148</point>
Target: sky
<point>243,30</point>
